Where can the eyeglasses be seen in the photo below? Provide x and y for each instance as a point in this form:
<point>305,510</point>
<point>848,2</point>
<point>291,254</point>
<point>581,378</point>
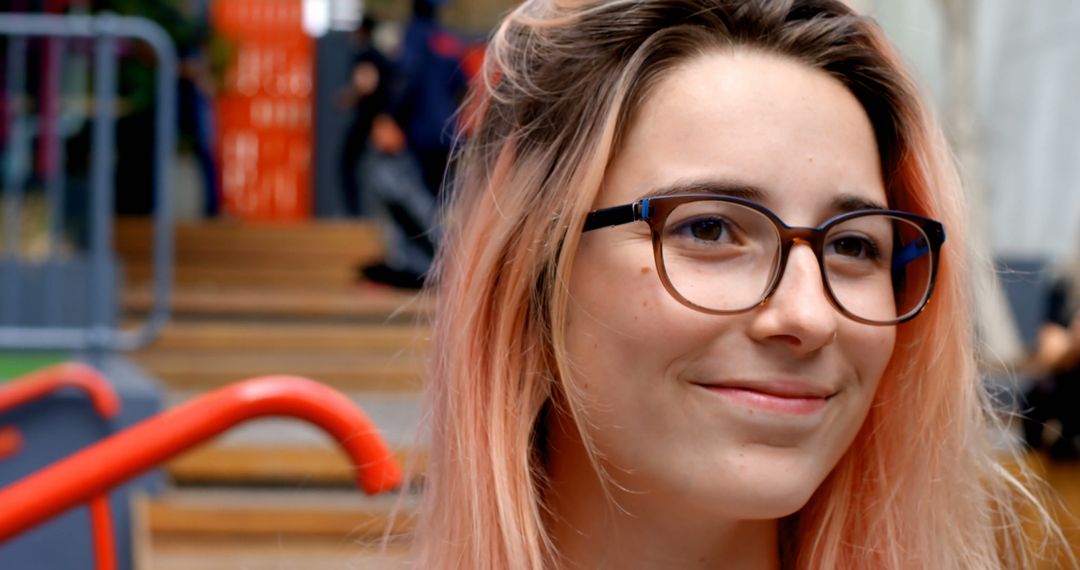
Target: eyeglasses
<point>724,255</point>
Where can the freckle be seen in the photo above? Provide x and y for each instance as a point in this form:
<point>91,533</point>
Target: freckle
<point>645,270</point>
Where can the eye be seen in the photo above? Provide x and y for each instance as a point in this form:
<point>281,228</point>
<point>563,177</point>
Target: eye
<point>710,229</point>
<point>855,247</point>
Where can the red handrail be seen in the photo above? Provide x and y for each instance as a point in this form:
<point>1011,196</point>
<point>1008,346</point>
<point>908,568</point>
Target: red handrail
<point>11,441</point>
<point>102,528</point>
<point>42,383</point>
<point>110,462</point>
<point>36,385</point>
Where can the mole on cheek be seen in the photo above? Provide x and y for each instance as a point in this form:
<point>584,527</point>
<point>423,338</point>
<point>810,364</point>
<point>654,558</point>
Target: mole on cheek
<point>645,270</point>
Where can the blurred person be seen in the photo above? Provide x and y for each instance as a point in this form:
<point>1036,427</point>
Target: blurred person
<point>197,88</point>
<point>188,24</point>
<point>378,166</point>
<point>395,189</point>
<point>1056,362</point>
<point>432,85</point>
<point>684,315</point>
<point>413,138</point>
<point>366,97</point>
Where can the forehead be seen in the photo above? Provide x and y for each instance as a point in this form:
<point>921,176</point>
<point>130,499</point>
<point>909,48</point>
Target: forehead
<point>755,119</point>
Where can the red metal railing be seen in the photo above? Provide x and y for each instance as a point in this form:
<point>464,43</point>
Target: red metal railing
<point>42,383</point>
<point>112,461</point>
<point>37,385</point>
<point>11,441</point>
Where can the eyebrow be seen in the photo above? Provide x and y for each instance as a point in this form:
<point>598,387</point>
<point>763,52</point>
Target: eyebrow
<point>841,203</point>
<point>718,187</point>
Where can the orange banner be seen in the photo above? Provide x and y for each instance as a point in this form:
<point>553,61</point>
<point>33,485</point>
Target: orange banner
<point>264,110</point>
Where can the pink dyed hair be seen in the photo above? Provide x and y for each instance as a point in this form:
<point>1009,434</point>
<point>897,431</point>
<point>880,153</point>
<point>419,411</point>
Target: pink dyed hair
<point>920,486</point>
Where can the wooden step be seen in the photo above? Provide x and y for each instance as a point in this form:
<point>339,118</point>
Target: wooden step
<point>182,553</point>
<point>219,237</point>
<point>1063,478</point>
<point>334,514</point>
<point>232,253</point>
<point>215,336</point>
<point>194,370</point>
<point>284,273</point>
<point>363,243</point>
<point>275,465</point>
<point>309,529</point>
<point>372,303</point>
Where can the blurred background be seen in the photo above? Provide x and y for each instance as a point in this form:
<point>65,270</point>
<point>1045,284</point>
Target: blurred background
<point>197,192</point>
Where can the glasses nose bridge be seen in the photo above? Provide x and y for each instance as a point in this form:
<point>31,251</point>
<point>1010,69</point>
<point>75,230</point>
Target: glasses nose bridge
<point>811,237</point>
<point>789,237</point>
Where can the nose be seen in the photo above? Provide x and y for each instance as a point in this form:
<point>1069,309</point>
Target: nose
<point>798,314</point>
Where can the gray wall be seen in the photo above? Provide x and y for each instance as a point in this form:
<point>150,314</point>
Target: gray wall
<point>332,57</point>
<point>1026,58</point>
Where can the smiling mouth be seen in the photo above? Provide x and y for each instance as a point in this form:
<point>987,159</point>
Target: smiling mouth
<point>786,400</point>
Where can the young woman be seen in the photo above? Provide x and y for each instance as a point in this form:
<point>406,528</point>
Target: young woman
<point>684,311</point>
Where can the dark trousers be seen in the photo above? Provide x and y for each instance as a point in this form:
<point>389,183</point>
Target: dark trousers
<point>432,163</point>
<point>1057,398</point>
<point>349,164</point>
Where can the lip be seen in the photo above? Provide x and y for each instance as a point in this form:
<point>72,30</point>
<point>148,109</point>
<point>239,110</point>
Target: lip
<point>777,397</point>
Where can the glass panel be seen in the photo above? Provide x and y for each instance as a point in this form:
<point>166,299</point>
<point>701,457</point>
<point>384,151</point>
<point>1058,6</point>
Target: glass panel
<point>719,255</point>
<point>878,267</point>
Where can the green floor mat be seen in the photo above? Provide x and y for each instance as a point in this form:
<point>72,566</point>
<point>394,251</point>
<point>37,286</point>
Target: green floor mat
<point>13,364</point>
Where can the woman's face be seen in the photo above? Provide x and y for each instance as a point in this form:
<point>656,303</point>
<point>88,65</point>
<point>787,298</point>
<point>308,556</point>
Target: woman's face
<point>740,415</point>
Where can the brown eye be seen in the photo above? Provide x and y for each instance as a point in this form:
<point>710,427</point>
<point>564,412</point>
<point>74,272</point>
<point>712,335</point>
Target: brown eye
<point>854,247</point>
<point>707,229</point>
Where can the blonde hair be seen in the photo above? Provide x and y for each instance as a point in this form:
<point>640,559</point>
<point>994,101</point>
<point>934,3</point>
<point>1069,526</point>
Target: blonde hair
<point>920,486</point>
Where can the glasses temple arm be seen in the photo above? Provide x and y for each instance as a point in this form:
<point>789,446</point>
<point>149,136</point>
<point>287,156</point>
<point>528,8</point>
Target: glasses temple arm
<point>919,247</point>
<point>614,216</point>
<point>910,252</point>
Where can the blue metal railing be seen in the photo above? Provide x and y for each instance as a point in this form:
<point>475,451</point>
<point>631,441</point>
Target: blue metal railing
<point>100,333</point>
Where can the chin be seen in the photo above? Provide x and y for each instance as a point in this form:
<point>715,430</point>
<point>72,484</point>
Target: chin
<point>779,503</point>
<point>760,490</point>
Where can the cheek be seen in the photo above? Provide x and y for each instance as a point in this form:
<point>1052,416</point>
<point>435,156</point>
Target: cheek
<point>619,328</point>
<point>610,315</point>
<point>875,352</point>
<point>868,354</point>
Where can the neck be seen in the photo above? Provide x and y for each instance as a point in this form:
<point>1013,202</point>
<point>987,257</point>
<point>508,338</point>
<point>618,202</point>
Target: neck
<point>598,526</point>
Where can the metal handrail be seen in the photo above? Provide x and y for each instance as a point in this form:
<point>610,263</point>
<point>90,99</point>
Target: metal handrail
<point>11,441</point>
<point>105,30</point>
<point>41,383</point>
<point>37,385</point>
<point>114,460</point>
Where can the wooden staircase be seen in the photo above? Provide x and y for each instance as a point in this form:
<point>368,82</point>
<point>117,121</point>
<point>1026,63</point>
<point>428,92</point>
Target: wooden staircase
<point>252,300</point>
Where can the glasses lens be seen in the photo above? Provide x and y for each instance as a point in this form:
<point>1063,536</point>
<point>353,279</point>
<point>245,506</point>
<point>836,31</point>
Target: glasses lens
<point>719,255</point>
<point>878,267</point>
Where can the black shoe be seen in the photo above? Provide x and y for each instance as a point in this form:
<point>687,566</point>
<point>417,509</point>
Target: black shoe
<point>397,278</point>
